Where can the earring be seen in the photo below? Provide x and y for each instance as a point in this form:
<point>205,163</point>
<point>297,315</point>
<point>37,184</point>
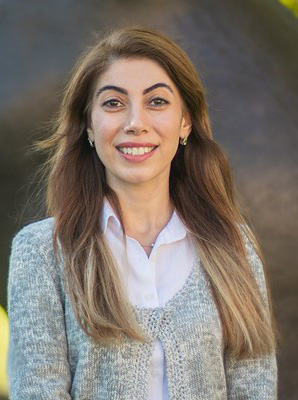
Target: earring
<point>90,142</point>
<point>183,141</point>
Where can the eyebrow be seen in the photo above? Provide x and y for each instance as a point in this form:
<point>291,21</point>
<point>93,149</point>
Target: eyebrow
<point>124,91</point>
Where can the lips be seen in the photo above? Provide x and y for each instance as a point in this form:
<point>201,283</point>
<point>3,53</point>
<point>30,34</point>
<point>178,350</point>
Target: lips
<point>136,149</point>
<point>135,144</point>
<point>136,152</point>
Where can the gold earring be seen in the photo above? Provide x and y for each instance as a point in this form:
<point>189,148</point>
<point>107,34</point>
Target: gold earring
<point>183,141</point>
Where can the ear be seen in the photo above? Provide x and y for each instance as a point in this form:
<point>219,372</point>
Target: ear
<point>186,125</point>
<point>90,134</point>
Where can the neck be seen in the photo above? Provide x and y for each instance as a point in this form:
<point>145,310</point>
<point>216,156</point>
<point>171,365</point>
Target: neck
<point>146,210</point>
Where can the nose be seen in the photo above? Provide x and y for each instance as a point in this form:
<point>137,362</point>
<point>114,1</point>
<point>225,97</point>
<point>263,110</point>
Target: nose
<point>136,121</point>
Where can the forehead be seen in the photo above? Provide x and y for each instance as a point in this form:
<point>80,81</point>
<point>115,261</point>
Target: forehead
<point>134,74</point>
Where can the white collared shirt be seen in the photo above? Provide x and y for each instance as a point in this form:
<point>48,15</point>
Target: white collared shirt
<point>151,281</point>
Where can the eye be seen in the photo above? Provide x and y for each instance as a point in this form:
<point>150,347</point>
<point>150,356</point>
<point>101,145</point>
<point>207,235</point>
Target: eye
<point>112,103</point>
<point>159,101</point>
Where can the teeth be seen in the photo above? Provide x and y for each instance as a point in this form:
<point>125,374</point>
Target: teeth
<point>135,151</point>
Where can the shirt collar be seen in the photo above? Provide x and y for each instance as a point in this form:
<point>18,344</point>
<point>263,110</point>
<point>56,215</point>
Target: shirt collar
<point>109,217</point>
<point>173,231</point>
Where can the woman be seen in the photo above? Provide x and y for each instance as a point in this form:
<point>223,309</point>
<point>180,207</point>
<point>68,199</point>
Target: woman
<point>144,282</point>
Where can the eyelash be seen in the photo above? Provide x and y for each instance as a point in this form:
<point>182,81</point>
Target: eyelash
<point>115,100</point>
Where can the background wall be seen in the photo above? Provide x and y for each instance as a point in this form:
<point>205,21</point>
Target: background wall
<point>247,56</point>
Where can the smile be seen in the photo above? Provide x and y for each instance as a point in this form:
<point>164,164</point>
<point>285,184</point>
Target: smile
<point>136,151</point>
<point>136,154</point>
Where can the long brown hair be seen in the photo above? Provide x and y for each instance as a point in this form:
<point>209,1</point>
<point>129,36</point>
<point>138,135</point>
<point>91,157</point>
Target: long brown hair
<point>201,189</point>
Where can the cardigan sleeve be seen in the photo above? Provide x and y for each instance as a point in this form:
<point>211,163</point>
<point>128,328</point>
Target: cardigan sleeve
<point>37,358</point>
<point>253,379</point>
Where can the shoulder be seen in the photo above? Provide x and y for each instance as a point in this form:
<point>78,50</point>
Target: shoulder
<point>249,240</point>
<point>32,259</point>
<point>38,228</point>
<point>33,244</point>
<point>252,252</point>
<point>34,279</point>
<point>39,233</point>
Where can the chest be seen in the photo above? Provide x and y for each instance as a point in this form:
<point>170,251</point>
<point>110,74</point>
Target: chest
<point>190,320</point>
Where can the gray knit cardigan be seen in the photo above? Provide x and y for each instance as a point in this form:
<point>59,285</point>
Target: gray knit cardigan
<point>50,357</point>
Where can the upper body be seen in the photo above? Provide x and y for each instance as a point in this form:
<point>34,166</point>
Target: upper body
<point>133,128</point>
<point>50,356</point>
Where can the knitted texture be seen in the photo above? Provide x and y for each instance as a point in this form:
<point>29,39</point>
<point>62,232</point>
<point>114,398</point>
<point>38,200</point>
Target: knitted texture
<point>50,357</point>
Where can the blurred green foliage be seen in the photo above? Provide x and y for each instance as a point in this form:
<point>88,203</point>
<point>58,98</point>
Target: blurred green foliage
<point>292,5</point>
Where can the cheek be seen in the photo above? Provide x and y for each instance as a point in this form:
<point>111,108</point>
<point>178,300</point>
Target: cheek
<point>169,124</point>
<point>104,132</point>
<point>104,125</point>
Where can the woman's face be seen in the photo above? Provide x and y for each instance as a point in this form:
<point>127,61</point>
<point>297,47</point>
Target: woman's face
<point>136,122</point>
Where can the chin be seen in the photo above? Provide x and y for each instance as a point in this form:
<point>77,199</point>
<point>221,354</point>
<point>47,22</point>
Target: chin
<point>137,181</point>
<point>131,178</point>
<point>137,178</point>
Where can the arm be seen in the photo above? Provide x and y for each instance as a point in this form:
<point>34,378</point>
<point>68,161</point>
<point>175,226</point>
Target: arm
<point>37,357</point>
<point>254,379</point>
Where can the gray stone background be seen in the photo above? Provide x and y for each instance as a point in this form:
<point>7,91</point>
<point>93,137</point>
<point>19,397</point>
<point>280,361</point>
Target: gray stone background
<point>246,53</point>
